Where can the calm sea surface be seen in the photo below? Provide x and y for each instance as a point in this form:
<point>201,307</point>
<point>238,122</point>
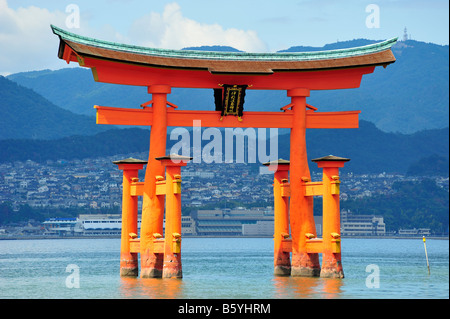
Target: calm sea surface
<point>228,268</point>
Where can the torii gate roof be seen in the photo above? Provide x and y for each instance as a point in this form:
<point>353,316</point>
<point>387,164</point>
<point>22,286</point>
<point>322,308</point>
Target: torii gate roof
<point>134,65</point>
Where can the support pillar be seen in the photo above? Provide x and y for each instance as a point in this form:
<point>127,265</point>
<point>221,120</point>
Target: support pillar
<point>153,206</point>
<point>281,258</point>
<point>301,206</point>
<point>331,254</point>
<point>172,246</point>
<point>129,261</point>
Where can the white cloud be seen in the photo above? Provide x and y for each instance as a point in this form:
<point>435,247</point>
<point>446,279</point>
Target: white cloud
<point>171,30</point>
<point>27,43</point>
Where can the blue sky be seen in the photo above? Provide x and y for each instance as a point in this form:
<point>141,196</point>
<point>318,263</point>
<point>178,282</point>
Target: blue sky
<point>26,42</point>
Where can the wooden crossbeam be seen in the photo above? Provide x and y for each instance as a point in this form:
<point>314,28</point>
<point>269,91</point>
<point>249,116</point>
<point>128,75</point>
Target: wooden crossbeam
<point>313,245</point>
<point>286,245</point>
<point>158,245</point>
<point>313,189</point>
<point>137,189</point>
<point>144,117</point>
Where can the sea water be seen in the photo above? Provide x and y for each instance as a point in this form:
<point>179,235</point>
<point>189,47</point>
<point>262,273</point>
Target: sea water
<point>222,268</point>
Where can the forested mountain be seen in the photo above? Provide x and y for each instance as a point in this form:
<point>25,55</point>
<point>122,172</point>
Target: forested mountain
<point>370,150</point>
<point>408,96</point>
<point>411,205</point>
<point>24,114</point>
<point>411,94</point>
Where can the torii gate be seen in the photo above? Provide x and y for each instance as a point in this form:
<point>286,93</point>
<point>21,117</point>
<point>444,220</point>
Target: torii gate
<point>160,70</point>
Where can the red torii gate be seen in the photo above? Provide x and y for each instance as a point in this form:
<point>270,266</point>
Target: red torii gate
<point>159,70</point>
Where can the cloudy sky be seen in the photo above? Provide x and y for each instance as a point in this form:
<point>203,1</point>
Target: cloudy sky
<point>27,43</point>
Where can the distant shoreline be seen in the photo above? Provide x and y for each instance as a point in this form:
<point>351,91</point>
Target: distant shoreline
<point>190,236</point>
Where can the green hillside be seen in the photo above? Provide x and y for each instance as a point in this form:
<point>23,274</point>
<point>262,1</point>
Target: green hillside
<point>408,96</point>
<point>112,142</point>
<point>370,150</point>
<point>420,204</point>
<point>433,165</point>
<point>25,114</point>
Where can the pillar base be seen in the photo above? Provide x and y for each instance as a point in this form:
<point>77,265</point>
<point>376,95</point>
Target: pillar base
<point>305,265</point>
<point>172,266</point>
<point>331,266</point>
<point>177,274</point>
<point>151,265</point>
<point>129,272</point>
<point>282,270</point>
<point>151,273</point>
<point>129,265</point>
<point>282,264</point>
<point>301,271</point>
<point>331,273</point>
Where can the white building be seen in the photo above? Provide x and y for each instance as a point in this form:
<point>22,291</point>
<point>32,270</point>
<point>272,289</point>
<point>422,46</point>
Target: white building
<point>361,225</point>
<point>414,232</point>
<point>111,225</point>
<point>260,228</point>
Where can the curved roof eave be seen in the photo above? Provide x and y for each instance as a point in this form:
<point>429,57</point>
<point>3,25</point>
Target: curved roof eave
<point>229,56</point>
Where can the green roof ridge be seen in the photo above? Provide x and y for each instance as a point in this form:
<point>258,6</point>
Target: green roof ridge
<point>214,55</point>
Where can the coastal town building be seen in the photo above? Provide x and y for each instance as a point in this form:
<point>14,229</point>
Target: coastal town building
<point>95,185</point>
<point>235,222</point>
<point>105,225</point>
<point>361,225</point>
<point>59,226</point>
<point>414,232</point>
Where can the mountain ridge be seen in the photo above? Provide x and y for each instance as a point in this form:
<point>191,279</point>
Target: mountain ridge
<point>26,114</point>
<point>409,96</point>
<point>370,150</point>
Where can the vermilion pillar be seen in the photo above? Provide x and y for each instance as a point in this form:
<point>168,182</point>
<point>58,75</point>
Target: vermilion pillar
<point>281,258</point>
<point>152,205</point>
<point>172,246</point>
<point>129,261</point>
<point>331,254</point>
<point>301,207</point>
